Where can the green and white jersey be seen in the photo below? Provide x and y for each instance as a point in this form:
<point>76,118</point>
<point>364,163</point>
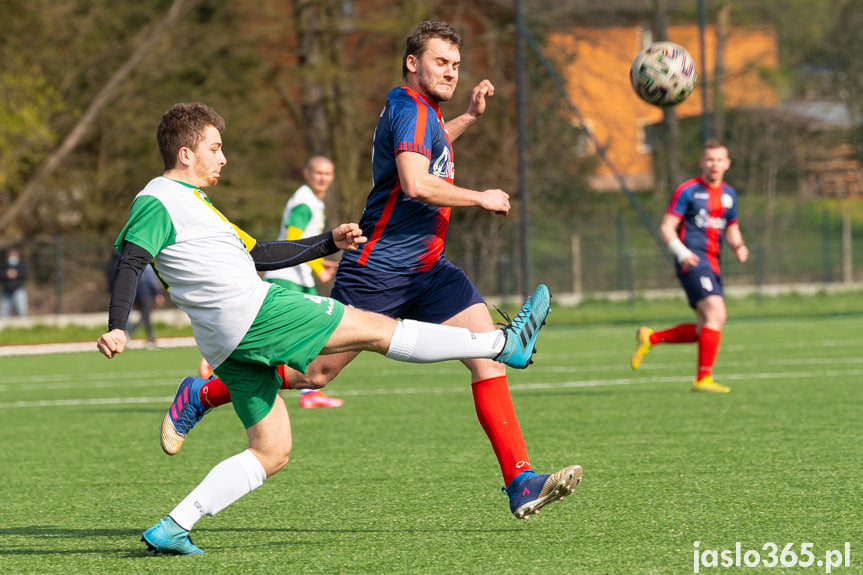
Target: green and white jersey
<point>304,211</point>
<point>203,260</point>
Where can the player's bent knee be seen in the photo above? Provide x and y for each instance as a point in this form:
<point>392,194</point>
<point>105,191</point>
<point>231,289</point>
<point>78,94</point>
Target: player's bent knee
<point>273,460</point>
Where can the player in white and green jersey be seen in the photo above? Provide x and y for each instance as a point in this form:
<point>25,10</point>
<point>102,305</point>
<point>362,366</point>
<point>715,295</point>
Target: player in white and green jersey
<point>304,216</point>
<point>245,327</point>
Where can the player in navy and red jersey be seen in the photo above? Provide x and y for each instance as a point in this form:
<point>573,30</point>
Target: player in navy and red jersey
<point>408,235</point>
<point>701,213</point>
<point>401,272</point>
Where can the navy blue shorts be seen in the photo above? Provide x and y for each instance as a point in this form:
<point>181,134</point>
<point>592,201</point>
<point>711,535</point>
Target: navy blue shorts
<point>699,282</point>
<point>433,296</point>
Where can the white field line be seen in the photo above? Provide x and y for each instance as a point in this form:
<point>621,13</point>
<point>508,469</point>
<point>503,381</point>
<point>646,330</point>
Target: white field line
<point>164,400</point>
<point>178,342</point>
<point>85,346</point>
<point>110,380</point>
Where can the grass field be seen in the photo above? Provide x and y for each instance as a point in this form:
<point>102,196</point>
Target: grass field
<point>402,480</point>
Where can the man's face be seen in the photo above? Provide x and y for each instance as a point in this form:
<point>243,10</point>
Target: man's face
<point>208,159</point>
<point>714,163</point>
<point>436,71</point>
<point>319,175</point>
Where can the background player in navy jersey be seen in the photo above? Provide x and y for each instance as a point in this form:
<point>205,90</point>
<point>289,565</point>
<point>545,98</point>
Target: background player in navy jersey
<point>402,272</point>
<point>702,211</point>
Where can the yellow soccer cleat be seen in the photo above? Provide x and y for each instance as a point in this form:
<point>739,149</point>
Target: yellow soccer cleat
<point>709,386</point>
<point>642,338</point>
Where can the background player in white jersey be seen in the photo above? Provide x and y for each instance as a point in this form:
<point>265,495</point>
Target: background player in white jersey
<point>304,216</point>
<point>245,327</point>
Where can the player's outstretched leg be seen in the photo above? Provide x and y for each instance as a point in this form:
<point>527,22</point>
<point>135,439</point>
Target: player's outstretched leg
<point>169,538</point>
<point>530,491</point>
<point>642,345</point>
<point>522,331</point>
<point>186,410</point>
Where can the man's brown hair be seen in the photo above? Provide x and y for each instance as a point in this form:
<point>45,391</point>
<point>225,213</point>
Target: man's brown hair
<point>417,42</point>
<point>183,127</point>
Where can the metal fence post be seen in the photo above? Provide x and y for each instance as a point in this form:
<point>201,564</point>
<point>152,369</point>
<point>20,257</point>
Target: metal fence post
<point>58,274</point>
<point>828,267</point>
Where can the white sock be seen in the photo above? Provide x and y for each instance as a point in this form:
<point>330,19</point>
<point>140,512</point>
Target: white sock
<point>420,342</point>
<point>225,483</point>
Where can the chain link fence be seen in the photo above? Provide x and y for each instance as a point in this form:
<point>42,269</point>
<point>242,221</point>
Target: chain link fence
<point>68,273</point>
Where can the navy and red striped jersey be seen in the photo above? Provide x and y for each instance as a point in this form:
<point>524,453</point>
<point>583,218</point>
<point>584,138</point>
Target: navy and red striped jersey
<point>405,235</point>
<point>705,212</point>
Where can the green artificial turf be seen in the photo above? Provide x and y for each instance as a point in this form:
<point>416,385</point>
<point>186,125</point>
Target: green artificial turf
<point>402,479</point>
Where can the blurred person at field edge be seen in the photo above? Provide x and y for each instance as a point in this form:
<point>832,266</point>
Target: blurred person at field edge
<point>303,216</point>
<point>13,276</point>
<point>148,295</point>
<point>701,211</point>
<point>245,327</point>
<point>402,271</point>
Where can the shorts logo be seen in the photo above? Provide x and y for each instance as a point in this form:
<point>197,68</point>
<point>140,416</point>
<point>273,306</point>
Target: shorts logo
<point>706,283</point>
<point>331,303</point>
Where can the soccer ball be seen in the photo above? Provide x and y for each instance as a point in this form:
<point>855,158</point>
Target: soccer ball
<point>663,74</point>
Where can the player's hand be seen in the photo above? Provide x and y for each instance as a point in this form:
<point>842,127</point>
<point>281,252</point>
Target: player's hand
<point>348,236</point>
<point>325,276</point>
<point>112,343</point>
<point>496,201</point>
<point>690,261</point>
<point>477,98</point>
<point>742,253</point>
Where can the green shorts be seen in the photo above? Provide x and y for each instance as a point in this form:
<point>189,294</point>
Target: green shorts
<point>287,284</point>
<point>291,328</point>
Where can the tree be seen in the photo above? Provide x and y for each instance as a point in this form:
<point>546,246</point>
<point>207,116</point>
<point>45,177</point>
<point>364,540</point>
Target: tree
<point>34,185</point>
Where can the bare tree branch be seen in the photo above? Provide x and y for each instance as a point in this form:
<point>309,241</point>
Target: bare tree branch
<point>34,185</point>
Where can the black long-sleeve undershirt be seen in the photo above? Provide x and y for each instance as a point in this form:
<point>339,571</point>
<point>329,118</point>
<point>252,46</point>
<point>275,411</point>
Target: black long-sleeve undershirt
<point>132,261</point>
<point>287,253</point>
<point>267,256</point>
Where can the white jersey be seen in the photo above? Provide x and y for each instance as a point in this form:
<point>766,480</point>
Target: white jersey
<point>301,274</point>
<point>202,258</point>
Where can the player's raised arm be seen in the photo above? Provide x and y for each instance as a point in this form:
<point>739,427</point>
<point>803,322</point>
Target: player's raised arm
<point>458,125</point>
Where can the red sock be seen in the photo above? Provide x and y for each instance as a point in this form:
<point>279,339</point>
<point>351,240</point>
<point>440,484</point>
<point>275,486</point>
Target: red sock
<point>281,370</point>
<point>683,333</point>
<point>214,393</point>
<point>708,347</point>
<point>496,414</point>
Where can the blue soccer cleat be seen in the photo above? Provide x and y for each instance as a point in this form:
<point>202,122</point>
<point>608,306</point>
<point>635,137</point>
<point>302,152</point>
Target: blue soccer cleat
<point>169,538</point>
<point>529,491</point>
<point>186,410</point>
<point>522,331</point>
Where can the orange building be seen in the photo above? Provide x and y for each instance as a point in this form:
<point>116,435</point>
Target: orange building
<point>595,64</point>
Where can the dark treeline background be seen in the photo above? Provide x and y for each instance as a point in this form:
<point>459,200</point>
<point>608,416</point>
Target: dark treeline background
<point>84,82</point>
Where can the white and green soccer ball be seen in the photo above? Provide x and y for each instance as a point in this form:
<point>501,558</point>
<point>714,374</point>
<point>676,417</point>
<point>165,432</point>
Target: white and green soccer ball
<point>663,74</point>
